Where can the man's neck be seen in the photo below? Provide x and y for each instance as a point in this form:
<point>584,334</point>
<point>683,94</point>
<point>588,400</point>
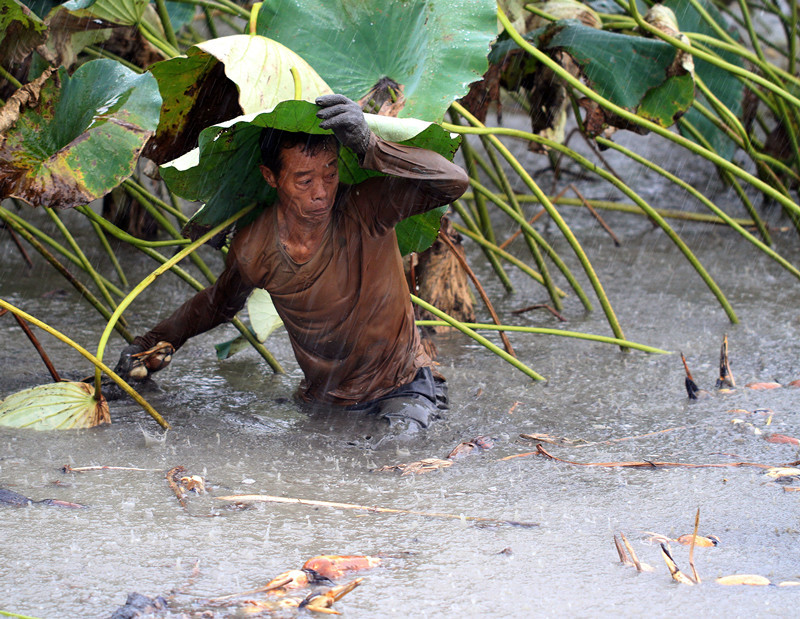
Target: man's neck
<point>301,237</point>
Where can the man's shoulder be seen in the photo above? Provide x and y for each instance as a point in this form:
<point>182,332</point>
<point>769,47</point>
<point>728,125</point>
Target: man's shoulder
<point>249,243</point>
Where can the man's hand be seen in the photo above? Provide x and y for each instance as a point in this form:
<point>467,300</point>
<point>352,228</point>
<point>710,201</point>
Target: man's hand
<point>136,363</point>
<point>346,119</point>
<point>128,366</point>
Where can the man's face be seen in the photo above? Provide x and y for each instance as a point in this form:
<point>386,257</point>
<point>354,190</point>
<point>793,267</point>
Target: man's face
<point>306,184</point>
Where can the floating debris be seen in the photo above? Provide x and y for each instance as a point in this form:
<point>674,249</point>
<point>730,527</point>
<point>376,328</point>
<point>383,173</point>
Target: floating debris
<point>743,579</point>
<point>9,497</point>
<point>426,465</point>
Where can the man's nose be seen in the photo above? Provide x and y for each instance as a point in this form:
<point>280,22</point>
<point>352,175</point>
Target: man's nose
<point>319,190</point>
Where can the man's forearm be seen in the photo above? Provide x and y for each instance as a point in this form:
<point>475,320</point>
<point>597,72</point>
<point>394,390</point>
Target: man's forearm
<point>204,311</point>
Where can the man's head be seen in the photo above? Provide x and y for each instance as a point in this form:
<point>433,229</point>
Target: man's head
<point>304,169</point>
<point>273,141</point>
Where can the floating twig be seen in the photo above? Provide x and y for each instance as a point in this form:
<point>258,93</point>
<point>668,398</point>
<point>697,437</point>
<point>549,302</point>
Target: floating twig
<point>648,464</point>
<point>485,297</point>
<point>37,345</point>
<point>631,552</point>
<point>556,440</point>
<point>623,555</point>
<point>271,586</point>
<point>596,215</point>
<point>265,498</point>
<point>540,306</point>
<point>84,469</point>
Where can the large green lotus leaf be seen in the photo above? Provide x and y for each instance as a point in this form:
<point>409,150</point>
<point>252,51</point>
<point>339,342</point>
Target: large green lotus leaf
<point>622,68</point>
<point>221,79</point>
<point>56,406</point>
<point>433,48</point>
<point>120,12</point>
<point>82,139</point>
<point>725,86</point>
<point>21,31</point>
<point>223,171</point>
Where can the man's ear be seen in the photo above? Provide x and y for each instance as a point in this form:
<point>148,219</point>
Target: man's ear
<point>269,176</point>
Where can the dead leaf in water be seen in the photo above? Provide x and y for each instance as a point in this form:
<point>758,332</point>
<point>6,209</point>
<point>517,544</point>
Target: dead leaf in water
<point>419,467</point>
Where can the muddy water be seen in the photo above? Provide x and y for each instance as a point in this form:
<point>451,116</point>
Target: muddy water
<point>235,423</point>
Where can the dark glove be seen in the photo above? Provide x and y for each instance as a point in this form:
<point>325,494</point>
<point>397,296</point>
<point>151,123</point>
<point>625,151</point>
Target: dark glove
<point>128,366</point>
<point>346,119</point>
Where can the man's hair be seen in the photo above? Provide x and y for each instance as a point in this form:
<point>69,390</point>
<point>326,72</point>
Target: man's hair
<point>273,141</point>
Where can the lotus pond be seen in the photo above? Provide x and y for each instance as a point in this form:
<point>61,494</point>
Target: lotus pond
<point>235,424</point>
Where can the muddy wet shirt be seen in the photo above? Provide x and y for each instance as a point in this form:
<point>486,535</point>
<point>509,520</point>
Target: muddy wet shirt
<point>347,309</point>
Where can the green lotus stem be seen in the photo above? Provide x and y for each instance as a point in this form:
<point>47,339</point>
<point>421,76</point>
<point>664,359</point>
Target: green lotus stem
<point>172,209</point>
<point>154,37</point>
<point>632,209</point>
<point>791,35</point>
<point>144,199</point>
<point>484,243</point>
<point>236,322</point>
<point>708,203</point>
<point>729,178</point>
<point>470,157</point>
<point>35,232</point>
<point>477,337</point>
<point>539,12</point>
<point>210,24</point>
<point>166,24</point>
<point>98,363</point>
<point>87,266</point>
<point>554,215</point>
<point>120,234</point>
<point>77,284</point>
<point>735,48</point>
<point>208,5</point>
<point>788,118</point>
<point>764,162</point>
<point>235,9</point>
<point>151,278</point>
<point>712,23</point>
<point>498,268</point>
<point>630,193</point>
<point>728,118</point>
<point>551,253</point>
<point>654,127</point>
<point>5,613</point>
<point>98,52</point>
<point>722,64</point>
<point>298,90</point>
<point>544,331</point>
<point>532,242</point>
<point>110,253</point>
<point>9,78</point>
<point>251,26</point>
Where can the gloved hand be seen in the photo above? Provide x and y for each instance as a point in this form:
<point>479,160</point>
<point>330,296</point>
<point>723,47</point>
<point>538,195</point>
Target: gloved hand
<point>346,119</point>
<point>136,363</point>
<point>128,366</point>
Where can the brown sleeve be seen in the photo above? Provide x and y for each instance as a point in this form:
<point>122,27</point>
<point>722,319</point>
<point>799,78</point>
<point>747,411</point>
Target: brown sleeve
<point>418,180</point>
<point>208,308</point>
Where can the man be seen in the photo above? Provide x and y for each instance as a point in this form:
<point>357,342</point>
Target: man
<point>327,254</point>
